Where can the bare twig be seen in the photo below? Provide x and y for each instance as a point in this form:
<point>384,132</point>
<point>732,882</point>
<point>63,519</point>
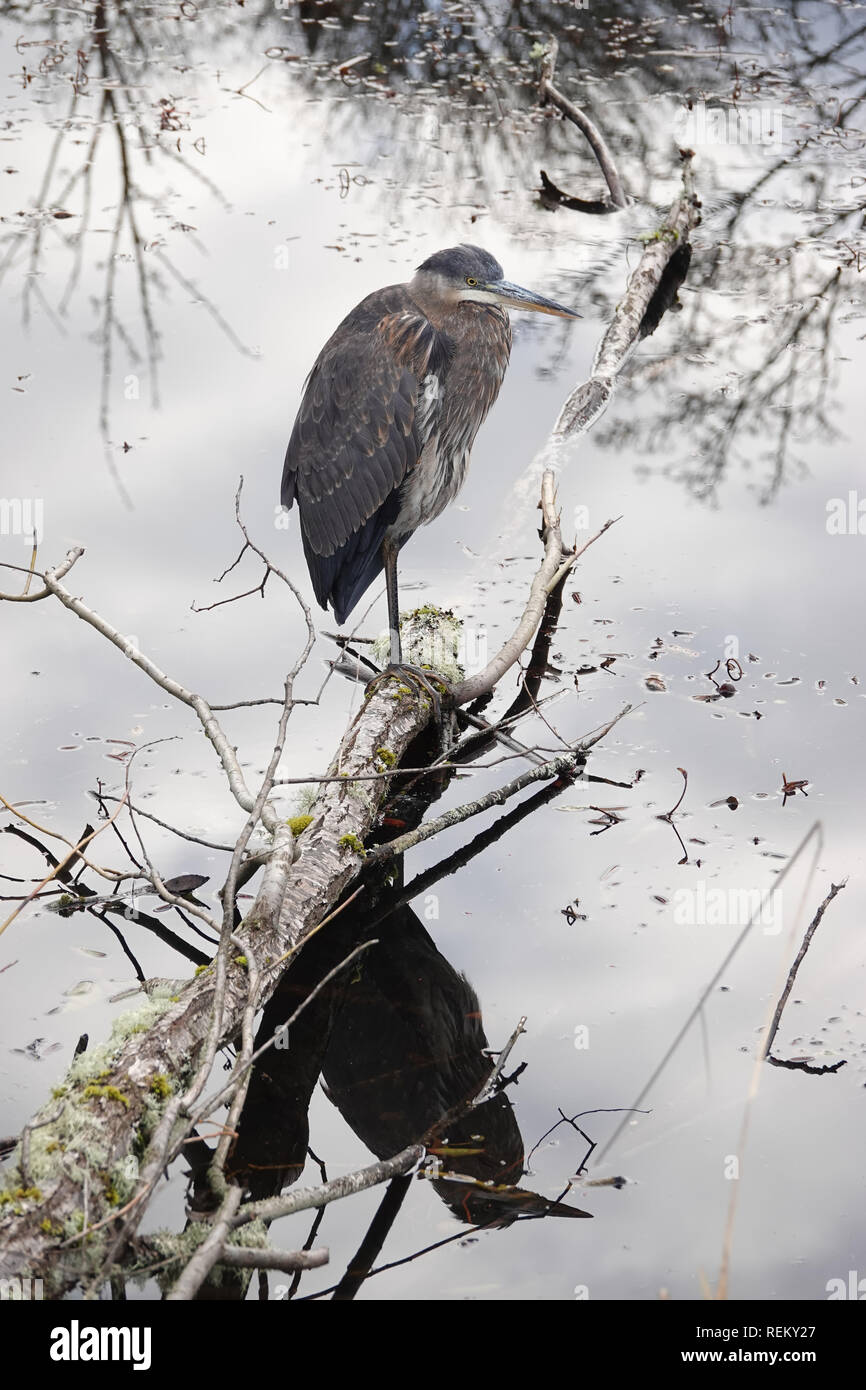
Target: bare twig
<point>59,572</point>
<point>815,833</point>
<point>563,765</point>
<point>789,984</point>
<point>239,1257</point>
<point>547,92</point>
<point>208,1253</point>
<point>545,578</point>
<point>492,1080</point>
<point>272,1208</point>
<point>588,401</point>
<point>73,853</point>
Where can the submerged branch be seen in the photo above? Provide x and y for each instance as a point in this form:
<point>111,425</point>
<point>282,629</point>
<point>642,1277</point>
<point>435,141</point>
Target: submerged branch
<point>563,766</point>
<point>548,92</point>
<point>545,579</point>
<point>799,1064</point>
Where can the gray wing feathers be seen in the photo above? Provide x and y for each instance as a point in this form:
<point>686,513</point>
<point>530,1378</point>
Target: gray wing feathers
<point>357,433</point>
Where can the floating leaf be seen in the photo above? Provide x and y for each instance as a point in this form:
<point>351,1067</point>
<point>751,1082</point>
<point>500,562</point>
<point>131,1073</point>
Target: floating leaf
<point>83,987</point>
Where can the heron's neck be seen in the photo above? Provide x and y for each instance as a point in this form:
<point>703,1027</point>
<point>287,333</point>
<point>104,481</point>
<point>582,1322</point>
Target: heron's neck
<point>435,296</point>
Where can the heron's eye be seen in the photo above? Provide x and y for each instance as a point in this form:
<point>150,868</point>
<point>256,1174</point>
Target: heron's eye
<point>471,281</point>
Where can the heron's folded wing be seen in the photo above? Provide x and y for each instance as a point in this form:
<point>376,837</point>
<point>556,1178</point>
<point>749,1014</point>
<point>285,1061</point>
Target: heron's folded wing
<point>357,433</point>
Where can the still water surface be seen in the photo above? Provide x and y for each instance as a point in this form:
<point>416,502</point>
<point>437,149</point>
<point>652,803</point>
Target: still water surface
<point>231,193</point>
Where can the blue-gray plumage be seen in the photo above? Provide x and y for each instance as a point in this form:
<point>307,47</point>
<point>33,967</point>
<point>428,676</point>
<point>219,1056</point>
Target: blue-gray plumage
<point>389,415</point>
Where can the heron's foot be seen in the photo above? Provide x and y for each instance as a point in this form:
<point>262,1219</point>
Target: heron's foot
<point>426,681</point>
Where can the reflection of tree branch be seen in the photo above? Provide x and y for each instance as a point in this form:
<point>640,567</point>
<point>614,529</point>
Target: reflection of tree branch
<point>85,899</point>
<point>548,92</point>
<point>359,1267</point>
<point>114,29</point>
<point>714,428</point>
<point>589,400</point>
<point>551,196</point>
<point>815,834</point>
<point>562,766</point>
<point>797,1063</point>
<point>58,868</point>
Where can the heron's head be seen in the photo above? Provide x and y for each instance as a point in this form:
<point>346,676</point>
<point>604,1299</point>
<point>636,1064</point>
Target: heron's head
<point>468,273</point>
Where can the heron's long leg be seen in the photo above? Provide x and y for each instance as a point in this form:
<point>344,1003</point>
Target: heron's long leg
<point>397,666</point>
<point>389,555</point>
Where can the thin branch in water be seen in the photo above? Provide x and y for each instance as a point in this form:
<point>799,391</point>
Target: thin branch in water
<point>288,1261</point>
<point>593,1143</point>
<point>69,858</point>
<point>484,681</point>
<point>563,766</point>
<point>273,1208</point>
<point>551,196</point>
<point>492,1081</point>
<point>798,1064</point>
<point>183,834</point>
<point>242,91</point>
<point>815,833</point>
<point>361,1262</point>
<point>668,816</point>
<point>547,92</point>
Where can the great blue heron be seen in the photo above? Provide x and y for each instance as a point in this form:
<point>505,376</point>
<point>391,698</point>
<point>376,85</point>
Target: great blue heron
<point>389,414</point>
